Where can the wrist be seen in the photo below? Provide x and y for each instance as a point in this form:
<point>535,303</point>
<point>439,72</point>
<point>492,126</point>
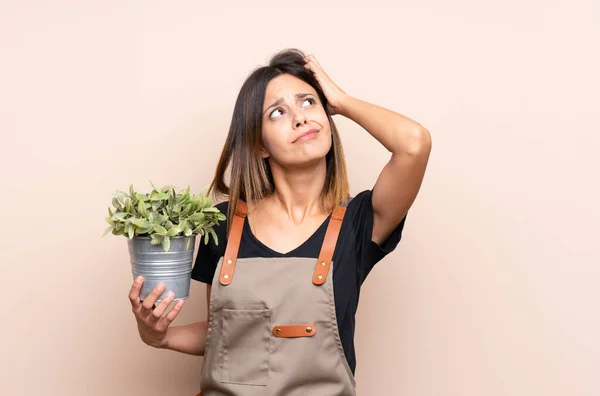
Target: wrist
<point>164,343</point>
<point>342,104</point>
<point>161,343</point>
<point>158,344</point>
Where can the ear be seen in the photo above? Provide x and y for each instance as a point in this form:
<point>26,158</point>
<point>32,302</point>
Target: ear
<point>264,154</point>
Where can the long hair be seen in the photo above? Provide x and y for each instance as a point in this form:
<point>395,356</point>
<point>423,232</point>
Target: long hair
<point>250,176</point>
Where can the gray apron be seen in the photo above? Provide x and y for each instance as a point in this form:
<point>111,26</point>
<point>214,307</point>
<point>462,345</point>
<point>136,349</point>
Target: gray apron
<point>272,328</point>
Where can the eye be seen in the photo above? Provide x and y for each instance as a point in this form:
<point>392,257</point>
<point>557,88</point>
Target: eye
<point>309,100</point>
<point>272,115</point>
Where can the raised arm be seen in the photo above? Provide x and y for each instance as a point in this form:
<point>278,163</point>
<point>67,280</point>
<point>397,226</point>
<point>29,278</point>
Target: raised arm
<point>409,142</point>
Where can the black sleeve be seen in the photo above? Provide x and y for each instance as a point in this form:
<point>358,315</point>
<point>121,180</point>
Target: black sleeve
<point>360,209</point>
<point>209,254</point>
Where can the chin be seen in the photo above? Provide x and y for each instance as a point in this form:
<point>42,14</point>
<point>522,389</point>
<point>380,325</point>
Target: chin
<point>313,157</point>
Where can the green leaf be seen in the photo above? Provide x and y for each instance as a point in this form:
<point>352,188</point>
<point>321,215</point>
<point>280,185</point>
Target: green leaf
<point>110,212</point>
<point>187,231</point>
<point>141,197</point>
<point>156,239</point>
<point>197,217</point>
<point>142,208</point>
<point>109,229</point>
<point>160,229</point>
<point>110,221</point>
<point>144,230</point>
<point>211,209</point>
<point>131,231</point>
<point>128,205</point>
<point>116,203</point>
<point>187,210</point>
<point>214,235</point>
<point>141,223</point>
<point>131,191</point>
<point>173,231</point>
<point>187,245</point>
<point>118,217</point>
<point>121,194</point>
<point>166,244</point>
<point>161,196</point>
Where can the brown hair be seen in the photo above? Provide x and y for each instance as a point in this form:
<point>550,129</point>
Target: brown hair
<point>250,175</point>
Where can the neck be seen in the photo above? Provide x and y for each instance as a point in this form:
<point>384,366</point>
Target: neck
<point>298,190</point>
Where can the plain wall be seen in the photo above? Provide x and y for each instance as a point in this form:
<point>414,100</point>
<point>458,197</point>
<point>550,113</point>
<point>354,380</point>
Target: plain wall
<point>493,289</point>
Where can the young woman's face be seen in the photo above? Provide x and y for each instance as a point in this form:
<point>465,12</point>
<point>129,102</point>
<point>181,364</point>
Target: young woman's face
<point>295,127</point>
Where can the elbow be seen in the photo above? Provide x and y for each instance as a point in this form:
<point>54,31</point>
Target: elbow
<point>419,143</point>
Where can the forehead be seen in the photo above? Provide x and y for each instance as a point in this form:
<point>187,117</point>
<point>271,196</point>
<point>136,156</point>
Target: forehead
<point>286,85</point>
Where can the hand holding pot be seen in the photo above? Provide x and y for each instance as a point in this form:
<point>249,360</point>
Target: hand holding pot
<point>152,325</point>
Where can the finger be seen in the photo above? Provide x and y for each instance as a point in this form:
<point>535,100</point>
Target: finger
<point>134,293</point>
<point>315,68</point>
<point>158,312</point>
<point>313,59</point>
<point>310,63</point>
<point>152,297</point>
<point>166,321</point>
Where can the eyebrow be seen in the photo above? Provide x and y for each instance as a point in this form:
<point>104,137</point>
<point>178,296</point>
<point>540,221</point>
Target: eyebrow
<point>280,100</point>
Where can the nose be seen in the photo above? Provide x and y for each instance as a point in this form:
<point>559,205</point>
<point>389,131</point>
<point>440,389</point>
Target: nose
<point>299,119</point>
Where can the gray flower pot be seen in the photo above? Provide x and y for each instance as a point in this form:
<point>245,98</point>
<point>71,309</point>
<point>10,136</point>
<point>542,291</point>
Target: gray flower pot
<point>173,268</point>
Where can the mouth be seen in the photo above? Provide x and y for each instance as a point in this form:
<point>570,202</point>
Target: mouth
<point>306,135</point>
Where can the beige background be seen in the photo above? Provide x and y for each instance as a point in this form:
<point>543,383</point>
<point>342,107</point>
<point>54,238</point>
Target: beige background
<point>494,288</point>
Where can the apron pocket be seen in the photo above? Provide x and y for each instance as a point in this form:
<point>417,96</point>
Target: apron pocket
<point>245,346</point>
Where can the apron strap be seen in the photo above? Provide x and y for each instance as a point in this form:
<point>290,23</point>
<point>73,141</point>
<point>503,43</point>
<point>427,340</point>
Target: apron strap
<point>325,256</point>
<point>328,247</point>
<point>233,243</point>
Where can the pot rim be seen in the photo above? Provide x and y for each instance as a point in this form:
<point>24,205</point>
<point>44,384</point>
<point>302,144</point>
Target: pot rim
<point>175,237</point>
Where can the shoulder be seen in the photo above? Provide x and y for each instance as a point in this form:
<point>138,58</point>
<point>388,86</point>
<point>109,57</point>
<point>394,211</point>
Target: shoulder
<point>360,217</point>
<point>359,202</point>
<point>223,206</point>
<point>357,208</point>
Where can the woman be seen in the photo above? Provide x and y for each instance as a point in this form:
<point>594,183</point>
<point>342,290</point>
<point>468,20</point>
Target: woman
<point>283,285</point>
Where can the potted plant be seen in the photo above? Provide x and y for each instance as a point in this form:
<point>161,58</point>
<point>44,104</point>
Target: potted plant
<point>161,228</point>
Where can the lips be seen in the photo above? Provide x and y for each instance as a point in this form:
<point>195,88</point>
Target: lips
<point>312,132</point>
